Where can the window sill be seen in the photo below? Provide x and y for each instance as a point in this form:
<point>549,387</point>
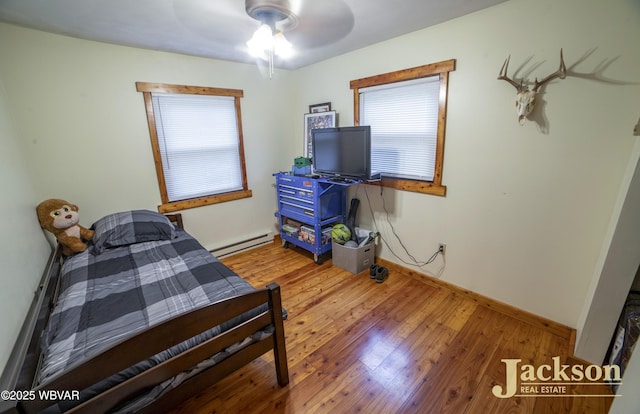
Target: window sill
<point>204,201</point>
<point>424,187</point>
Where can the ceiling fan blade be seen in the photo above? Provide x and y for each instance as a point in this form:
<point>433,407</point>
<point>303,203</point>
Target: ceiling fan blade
<point>320,23</point>
<point>317,23</point>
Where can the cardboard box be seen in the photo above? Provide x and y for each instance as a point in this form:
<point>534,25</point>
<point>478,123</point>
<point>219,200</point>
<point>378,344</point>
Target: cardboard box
<point>354,259</point>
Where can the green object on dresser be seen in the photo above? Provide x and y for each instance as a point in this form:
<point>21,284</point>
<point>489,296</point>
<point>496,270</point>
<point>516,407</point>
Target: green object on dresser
<point>301,162</point>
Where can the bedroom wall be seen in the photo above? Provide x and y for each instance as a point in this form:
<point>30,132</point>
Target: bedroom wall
<point>83,127</point>
<point>528,208</point>
<point>618,265</point>
<point>23,249</point>
<point>73,126</point>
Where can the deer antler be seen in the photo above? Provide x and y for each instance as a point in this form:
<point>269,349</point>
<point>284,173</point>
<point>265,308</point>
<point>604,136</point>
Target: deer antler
<point>560,73</point>
<point>503,76</point>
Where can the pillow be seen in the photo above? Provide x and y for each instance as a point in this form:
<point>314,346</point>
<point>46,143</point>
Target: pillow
<point>128,227</point>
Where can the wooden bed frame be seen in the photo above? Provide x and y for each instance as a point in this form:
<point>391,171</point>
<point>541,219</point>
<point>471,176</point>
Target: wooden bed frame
<point>22,366</point>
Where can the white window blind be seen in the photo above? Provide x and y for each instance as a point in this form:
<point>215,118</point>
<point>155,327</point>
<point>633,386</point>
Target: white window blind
<point>199,144</point>
<point>404,123</point>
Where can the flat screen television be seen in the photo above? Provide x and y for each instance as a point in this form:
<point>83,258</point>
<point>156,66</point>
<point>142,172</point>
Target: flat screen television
<point>343,152</point>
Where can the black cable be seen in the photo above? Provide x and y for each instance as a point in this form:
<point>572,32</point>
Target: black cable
<point>415,262</point>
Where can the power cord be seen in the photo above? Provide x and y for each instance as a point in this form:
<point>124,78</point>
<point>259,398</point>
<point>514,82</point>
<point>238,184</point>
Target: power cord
<point>414,261</point>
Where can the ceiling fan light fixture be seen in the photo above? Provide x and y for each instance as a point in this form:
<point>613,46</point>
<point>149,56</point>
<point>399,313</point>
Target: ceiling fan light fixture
<point>264,41</point>
<point>281,46</point>
<point>261,41</point>
<point>269,39</point>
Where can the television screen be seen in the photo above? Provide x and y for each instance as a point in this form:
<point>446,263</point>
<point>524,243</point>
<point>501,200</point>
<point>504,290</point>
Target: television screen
<point>342,152</point>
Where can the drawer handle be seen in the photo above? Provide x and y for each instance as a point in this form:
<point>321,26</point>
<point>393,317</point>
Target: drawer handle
<point>297,199</point>
<point>305,189</point>
<point>297,206</point>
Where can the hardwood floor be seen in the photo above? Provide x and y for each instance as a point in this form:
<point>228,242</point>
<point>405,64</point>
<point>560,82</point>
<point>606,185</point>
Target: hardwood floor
<point>407,345</point>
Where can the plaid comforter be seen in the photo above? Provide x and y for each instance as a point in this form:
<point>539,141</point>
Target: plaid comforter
<point>107,297</point>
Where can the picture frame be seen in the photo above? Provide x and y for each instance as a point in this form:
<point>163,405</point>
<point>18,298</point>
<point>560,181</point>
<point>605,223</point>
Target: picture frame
<point>316,120</point>
<point>321,107</point>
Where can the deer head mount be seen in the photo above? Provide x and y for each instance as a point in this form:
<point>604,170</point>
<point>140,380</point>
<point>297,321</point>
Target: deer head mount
<point>526,98</point>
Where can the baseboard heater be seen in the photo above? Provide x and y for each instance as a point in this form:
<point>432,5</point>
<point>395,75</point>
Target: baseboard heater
<point>242,246</point>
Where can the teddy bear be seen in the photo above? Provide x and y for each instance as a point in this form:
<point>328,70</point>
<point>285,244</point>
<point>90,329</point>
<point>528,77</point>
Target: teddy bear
<point>61,218</point>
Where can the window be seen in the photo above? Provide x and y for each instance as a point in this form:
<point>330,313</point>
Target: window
<point>196,137</point>
<point>406,110</point>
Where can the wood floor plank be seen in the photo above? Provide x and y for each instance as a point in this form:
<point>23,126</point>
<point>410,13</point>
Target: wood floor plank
<point>409,365</point>
<point>521,341</point>
<point>578,405</point>
<point>556,328</point>
<point>452,384</point>
<point>407,345</point>
<point>374,329</point>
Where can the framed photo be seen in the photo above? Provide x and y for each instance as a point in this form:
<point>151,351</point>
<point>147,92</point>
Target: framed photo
<point>323,107</point>
<point>317,120</point>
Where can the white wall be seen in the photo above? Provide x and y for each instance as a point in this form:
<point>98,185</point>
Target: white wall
<point>83,127</point>
<point>23,249</point>
<point>73,126</point>
<point>528,207</point>
<point>619,265</point>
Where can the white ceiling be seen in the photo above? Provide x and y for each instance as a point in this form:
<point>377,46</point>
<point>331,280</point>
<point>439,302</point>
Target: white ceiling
<point>220,28</point>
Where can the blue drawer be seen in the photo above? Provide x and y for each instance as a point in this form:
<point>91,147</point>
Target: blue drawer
<point>329,205</point>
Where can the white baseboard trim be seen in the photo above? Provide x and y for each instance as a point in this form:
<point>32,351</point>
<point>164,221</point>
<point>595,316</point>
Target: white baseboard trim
<point>243,245</point>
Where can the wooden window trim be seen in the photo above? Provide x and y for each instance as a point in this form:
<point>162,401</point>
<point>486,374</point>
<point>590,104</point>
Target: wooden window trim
<point>440,69</point>
<point>166,207</point>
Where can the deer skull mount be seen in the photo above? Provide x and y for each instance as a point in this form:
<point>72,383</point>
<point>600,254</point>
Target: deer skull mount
<point>526,98</point>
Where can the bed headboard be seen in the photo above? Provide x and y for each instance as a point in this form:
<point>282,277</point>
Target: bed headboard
<point>176,218</point>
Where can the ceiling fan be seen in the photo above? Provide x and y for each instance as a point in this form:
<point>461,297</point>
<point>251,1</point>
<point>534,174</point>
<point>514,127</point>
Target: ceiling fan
<point>307,24</point>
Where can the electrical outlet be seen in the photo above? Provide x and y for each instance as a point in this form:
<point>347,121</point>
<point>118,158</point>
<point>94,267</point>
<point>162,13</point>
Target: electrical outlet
<point>442,248</point>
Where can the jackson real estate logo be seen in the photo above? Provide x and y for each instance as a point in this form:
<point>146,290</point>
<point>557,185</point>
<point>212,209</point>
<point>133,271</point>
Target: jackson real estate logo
<point>553,380</point>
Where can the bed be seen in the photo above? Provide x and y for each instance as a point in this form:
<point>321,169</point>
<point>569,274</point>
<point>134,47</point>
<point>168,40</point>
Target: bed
<point>142,320</point>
